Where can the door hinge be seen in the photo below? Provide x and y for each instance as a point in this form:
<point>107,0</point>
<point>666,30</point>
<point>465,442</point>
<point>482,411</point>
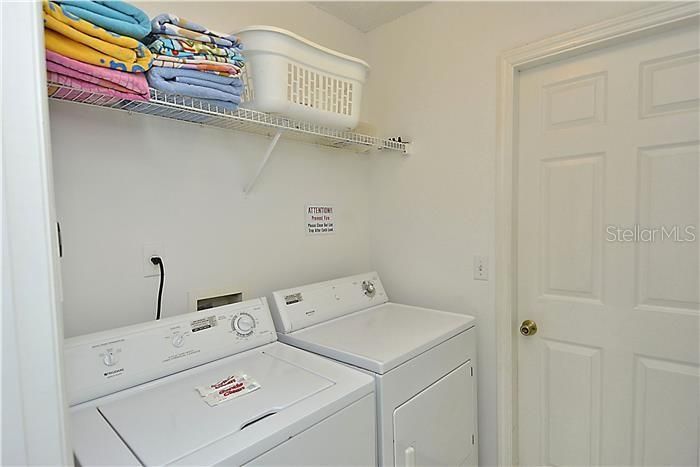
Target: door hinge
<point>473,439</point>
<point>60,240</point>
<point>471,370</point>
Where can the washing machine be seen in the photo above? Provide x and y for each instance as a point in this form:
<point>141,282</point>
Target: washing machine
<point>214,387</point>
<point>423,362</point>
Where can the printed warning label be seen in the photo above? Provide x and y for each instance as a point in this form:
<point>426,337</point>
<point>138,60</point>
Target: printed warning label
<point>320,220</point>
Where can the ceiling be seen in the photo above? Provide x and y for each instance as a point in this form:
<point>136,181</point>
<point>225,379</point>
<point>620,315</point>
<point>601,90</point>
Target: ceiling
<point>366,16</point>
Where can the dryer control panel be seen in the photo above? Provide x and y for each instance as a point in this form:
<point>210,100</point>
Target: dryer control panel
<point>301,307</point>
<point>106,362</point>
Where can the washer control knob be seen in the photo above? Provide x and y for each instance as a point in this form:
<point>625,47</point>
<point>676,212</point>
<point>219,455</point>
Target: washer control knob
<point>369,288</point>
<point>110,358</point>
<point>244,324</point>
<point>178,340</point>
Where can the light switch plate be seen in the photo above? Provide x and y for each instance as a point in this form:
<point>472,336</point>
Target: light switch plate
<point>481,268</point>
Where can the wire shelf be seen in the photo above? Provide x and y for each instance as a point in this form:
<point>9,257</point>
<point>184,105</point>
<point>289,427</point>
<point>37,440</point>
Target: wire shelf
<point>187,109</point>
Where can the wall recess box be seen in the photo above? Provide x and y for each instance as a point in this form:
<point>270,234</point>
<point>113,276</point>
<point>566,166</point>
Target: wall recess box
<point>202,300</point>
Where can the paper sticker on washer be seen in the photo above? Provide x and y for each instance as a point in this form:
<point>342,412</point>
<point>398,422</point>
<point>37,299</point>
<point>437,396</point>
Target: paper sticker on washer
<point>227,388</point>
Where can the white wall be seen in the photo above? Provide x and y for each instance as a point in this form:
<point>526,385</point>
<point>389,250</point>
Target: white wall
<point>123,181</point>
<point>434,78</point>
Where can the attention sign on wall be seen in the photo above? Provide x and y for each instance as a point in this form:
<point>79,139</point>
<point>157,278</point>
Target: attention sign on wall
<point>319,220</point>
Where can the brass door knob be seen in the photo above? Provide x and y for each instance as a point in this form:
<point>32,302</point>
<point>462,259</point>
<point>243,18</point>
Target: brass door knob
<point>528,328</point>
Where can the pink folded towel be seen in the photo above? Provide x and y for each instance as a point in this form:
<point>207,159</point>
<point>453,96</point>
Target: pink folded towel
<point>91,78</point>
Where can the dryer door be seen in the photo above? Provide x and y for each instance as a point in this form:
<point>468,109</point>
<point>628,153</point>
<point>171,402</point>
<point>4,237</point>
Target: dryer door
<point>437,426</point>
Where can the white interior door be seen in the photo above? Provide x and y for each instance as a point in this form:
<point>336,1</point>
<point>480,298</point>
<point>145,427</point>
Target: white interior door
<point>608,141</point>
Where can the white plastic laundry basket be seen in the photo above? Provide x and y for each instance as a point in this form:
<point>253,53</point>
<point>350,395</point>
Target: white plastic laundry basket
<point>288,75</point>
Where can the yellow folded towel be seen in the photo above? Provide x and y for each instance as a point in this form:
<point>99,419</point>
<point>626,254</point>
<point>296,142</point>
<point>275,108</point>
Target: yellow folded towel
<point>76,38</point>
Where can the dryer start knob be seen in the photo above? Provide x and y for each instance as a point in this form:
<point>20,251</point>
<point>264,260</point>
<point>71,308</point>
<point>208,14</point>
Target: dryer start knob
<point>369,288</point>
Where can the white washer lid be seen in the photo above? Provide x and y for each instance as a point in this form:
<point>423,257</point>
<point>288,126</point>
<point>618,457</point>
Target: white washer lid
<point>380,338</point>
<point>168,422</point>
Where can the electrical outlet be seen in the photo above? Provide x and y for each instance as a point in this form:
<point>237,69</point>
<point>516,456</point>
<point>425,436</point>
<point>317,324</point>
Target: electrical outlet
<point>481,268</point>
<point>149,250</point>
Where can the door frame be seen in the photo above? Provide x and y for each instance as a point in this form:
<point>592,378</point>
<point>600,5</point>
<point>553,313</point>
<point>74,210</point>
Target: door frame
<point>641,23</point>
<point>31,332</point>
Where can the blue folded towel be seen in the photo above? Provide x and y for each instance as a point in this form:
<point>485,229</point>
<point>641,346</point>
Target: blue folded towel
<point>113,15</point>
<point>223,91</point>
<point>237,87</point>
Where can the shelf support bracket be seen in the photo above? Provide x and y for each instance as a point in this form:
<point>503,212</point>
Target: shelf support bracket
<point>263,163</point>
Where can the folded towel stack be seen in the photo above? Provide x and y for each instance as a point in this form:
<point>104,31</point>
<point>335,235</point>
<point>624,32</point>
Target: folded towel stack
<point>94,46</point>
<point>191,60</point>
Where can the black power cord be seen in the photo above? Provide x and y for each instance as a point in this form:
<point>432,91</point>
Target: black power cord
<point>159,261</point>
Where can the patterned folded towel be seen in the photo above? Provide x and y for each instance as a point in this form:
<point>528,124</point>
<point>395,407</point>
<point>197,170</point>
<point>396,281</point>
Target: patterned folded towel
<point>173,25</point>
<point>76,38</point>
<point>79,75</point>
<point>179,47</point>
<point>219,90</point>
<point>112,15</point>
<point>166,52</point>
<point>225,69</point>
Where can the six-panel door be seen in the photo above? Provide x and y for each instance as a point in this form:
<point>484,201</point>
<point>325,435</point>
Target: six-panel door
<point>608,256</point>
